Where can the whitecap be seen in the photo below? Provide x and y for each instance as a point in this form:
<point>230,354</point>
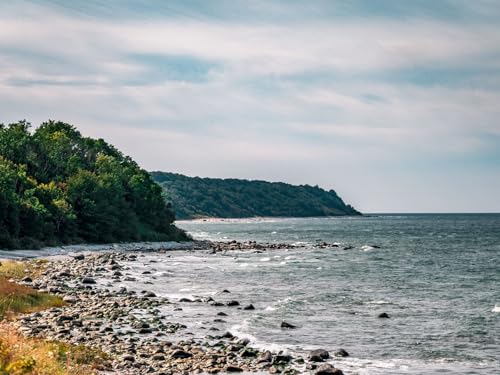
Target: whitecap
<point>379,302</point>
<point>265,259</point>
<point>496,309</point>
<point>367,248</point>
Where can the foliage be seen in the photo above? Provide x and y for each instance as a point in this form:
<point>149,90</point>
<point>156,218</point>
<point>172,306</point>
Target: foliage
<point>194,197</point>
<point>19,355</point>
<point>58,187</point>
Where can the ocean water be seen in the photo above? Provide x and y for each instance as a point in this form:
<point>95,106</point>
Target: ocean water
<point>437,276</point>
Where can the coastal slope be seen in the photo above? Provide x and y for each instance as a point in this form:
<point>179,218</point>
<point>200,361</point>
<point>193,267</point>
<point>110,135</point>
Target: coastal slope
<point>58,187</point>
<point>195,197</point>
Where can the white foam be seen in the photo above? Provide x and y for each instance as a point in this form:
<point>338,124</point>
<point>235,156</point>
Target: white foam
<point>265,259</point>
<point>379,302</point>
<point>496,309</point>
<point>367,248</point>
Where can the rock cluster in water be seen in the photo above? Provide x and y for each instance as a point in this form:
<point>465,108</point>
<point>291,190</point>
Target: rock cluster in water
<point>130,327</point>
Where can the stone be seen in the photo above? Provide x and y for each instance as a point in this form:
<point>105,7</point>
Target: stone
<point>328,369</point>
<point>180,354</point>
<point>318,355</point>
<point>88,280</point>
<point>265,357</point>
<point>341,353</point>
<point>27,279</point>
<point>231,368</point>
<point>249,307</point>
<point>79,257</point>
<point>287,325</point>
<point>383,315</point>
<point>233,303</point>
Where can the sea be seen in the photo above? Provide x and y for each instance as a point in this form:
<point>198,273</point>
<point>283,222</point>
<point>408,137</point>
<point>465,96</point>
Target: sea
<point>437,276</point>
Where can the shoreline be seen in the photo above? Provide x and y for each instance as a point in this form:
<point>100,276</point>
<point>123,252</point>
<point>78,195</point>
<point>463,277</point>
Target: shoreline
<point>129,325</point>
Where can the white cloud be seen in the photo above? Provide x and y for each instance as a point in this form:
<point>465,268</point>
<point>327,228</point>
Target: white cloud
<point>257,114</point>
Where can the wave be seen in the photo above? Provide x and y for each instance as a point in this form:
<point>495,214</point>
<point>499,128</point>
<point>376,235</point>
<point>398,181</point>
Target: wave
<point>496,309</point>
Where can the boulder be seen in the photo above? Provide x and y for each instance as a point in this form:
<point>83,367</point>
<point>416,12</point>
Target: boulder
<point>287,325</point>
<point>328,369</point>
<point>341,353</point>
<point>318,355</point>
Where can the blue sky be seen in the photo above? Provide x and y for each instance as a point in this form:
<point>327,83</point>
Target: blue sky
<point>394,104</point>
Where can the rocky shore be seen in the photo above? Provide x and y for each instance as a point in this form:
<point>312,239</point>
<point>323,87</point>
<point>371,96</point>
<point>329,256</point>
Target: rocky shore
<point>129,325</point>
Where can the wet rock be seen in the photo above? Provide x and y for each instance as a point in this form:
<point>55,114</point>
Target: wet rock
<point>287,325</point>
<point>341,353</point>
<point>231,368</point>
<point>318,355</point>
<point>233,303</point>
<point>27,279</point>
<point>328,369</point>
<point>249,307</point>
<point>88,280</point>
<point>383,315</point>
<point>180,354</point>
<point>149,294</point>
<point>186,300</point>
<point>265,357</point>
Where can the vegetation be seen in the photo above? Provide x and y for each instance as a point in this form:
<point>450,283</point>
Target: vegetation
<point>57,187</point>
<point>194,197</point>
<point>19,355</point>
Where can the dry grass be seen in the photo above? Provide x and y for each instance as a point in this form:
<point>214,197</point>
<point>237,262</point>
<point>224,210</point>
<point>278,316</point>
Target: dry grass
<point>19,355</point>
<point>15,298</point>
<point>12,269</point>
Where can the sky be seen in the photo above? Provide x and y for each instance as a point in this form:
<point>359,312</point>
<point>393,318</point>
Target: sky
<point>394,104</point>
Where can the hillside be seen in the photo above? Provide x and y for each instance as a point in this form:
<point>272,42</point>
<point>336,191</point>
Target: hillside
<point>194,197</point>
<point>58,187</point>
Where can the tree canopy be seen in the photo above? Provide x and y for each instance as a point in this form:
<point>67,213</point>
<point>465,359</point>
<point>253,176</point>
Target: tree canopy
<point>58,187</point>
<point>194,197</point>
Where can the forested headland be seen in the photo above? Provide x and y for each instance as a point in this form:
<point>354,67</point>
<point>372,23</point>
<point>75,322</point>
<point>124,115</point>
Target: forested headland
<point>195,197</point>
<point>58,187</point>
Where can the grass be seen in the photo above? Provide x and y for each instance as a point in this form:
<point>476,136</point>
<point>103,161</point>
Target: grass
<point>15,298</point>
<point>12,269</point>
<point>19,356</point>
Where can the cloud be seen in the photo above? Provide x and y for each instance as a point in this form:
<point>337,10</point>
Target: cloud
<point>293,91</point>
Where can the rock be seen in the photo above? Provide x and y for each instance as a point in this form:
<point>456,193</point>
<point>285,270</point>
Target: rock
<point>318,355</point>
<point>227,335</point>
<point>69,299</point>
<point>383,315</point>
<point>328,369</point>
<point>88,280</point>
<point>27,279</point>
<point>282,359</point>
<point>341,353</point>
<point>287,325</point>
<point>233,303</point>
<point>221,314</point>
<point>249,307</point>
<point>181,354</point>
<point>265,357</point>
<point>79,257</point>
<point>185,300</point>
<point>149,294</point>
<point>231,368</point>
<point>225,291</point>
<point>128,358</point>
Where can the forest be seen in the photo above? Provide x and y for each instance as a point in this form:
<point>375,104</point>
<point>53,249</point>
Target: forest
<point>195,197</point>
<point>58,187</point>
